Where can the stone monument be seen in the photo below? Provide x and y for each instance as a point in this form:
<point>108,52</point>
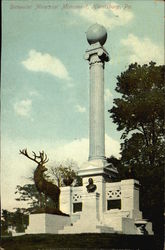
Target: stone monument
<point>100,205</point>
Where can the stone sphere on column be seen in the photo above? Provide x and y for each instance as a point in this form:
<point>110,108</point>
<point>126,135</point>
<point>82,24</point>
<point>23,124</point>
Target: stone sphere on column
<point>96,33</point>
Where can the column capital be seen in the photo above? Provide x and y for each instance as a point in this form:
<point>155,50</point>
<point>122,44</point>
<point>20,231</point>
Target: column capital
<point>96,54</point>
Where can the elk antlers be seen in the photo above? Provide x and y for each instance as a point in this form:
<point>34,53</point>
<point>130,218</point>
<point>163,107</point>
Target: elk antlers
<point>42,156</point>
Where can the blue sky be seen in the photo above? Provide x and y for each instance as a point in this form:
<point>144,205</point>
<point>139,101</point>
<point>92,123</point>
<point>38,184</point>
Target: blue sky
<point>45,78</point>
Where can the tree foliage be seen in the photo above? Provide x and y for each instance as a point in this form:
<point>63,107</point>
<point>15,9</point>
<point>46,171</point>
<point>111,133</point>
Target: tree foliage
<point>139,113</point>
<point>29,194</point>
<point>142,104</point>
<point>17,221</point>
<point>65,173</point>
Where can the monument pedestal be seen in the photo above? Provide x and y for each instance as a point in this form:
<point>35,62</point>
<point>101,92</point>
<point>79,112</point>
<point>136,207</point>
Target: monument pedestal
<point>91,207</point>
<point>89,221</point>
<point>101,172</point>
<point>46,223</point>
<point>98,215</point>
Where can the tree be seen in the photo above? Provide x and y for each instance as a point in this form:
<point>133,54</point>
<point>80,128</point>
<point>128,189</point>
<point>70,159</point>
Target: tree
<point>30,195</point>
<point>17,221</point>
<point>117,164</point>
<point>65,173</point>
<point>139,113</point>
<point>5,218</point>
<point>141,107</point>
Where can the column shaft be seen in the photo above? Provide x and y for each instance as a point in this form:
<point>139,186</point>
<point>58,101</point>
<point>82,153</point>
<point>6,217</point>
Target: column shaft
<point>96,114</point>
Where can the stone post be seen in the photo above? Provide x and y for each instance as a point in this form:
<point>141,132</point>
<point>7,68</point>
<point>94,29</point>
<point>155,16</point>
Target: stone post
<point>130,197</point>
<point>66,200</point>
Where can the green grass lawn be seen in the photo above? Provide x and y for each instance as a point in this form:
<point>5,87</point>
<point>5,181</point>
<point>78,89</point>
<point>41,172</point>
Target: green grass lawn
<point>79,241</point>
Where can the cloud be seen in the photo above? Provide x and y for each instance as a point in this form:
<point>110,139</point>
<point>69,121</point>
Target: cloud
<point>80,109</point>
<point>109,15</point>
<point>34,93</point>
<point>112,147</point>
<point>143,50</point>
<point>79,148</point>
<point>23,107</point>
<point>39,62</point>
<point>107,95</point>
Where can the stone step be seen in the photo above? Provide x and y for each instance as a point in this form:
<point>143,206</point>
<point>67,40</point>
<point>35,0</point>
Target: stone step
<point>106,229</point>
<point>93,228</point>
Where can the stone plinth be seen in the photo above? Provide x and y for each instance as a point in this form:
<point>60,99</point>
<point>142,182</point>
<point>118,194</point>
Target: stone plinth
<point>46,223</point>
<point>100,196</point>
<point>130,198</point>
<point>91,208</point>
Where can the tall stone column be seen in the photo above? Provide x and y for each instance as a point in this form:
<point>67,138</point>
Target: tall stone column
<point>97,56</point>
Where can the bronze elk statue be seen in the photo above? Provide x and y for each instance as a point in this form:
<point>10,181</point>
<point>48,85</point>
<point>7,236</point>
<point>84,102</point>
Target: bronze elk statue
<point>43,186</point>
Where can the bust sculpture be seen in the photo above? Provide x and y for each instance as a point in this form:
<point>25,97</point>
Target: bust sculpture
<point>91,187</point>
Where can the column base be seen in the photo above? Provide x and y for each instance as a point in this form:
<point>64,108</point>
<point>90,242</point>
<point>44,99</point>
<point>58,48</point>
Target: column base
<point>97,167</point>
